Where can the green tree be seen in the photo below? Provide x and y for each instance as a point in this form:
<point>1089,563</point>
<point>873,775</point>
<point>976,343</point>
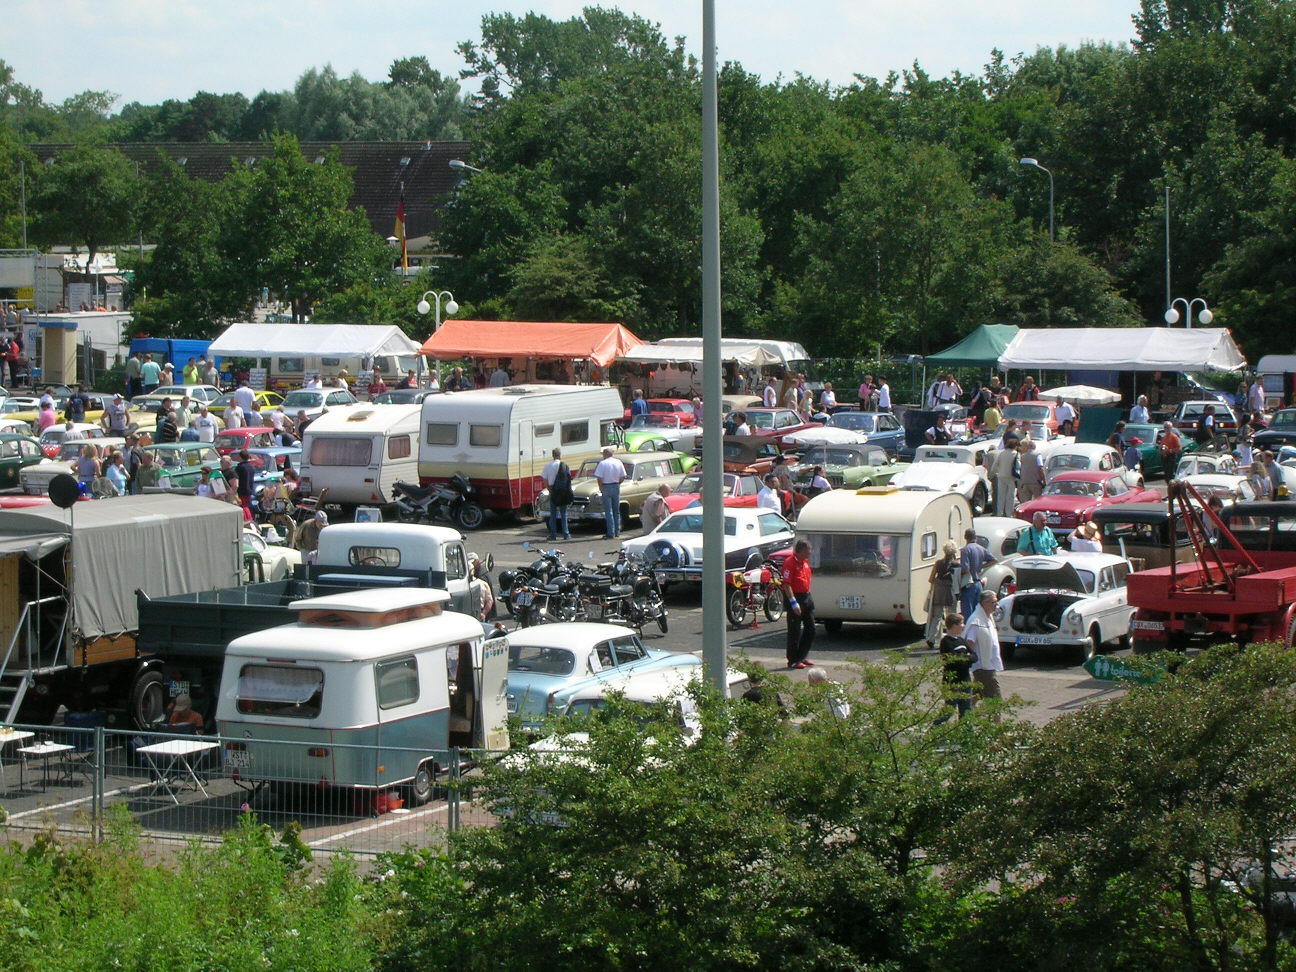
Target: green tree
<point>86,198</point>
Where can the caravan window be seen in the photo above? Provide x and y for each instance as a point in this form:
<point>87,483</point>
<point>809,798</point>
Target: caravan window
<point>292,366</point>
<point>398,682</point>
<point>398,447</point>
<point>574,432</point>
<point>341,452</point>
<point>544,431</point>
<point>851,554</point>
<point>928,546</point>
<point>280,690</point>
<point>485,435</point>
<point>443,433</point>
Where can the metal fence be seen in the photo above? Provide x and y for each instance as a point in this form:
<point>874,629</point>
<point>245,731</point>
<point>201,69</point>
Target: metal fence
<point>182,787</point>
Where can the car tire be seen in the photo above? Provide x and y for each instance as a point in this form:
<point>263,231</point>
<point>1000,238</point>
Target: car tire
<point>1008,651</point>
<point>1091,647</point>
<point>833,626</point>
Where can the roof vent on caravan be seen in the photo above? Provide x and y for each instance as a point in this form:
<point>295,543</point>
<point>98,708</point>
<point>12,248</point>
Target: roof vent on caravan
<point>370,608</point>
<point>360,415</point>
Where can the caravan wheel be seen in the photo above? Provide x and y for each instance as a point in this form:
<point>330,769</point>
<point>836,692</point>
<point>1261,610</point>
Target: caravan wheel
<point>420,788</point>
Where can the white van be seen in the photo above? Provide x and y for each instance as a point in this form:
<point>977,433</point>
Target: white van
<point>872,550</point>
<point>368,689</point>
<point>359,453</point>
<point>501,438</point>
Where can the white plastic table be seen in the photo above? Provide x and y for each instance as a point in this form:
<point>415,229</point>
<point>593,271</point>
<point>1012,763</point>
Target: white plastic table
<point>44,751</point>
<point>7,738</point>
<point>172,762</point>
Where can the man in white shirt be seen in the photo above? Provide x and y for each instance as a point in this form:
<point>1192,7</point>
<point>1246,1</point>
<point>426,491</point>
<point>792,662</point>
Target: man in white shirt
<point>769,394</point>
<point>243,399</point>
<point>883,395</point>
<point>742,428</point>
<point>233,416</point>
<point>1256,395</point>
<point>610,473</point>
<point>206,425</point>
<point>1139,413</point>
<point>983,635</point>
<point>557,510</point>
<point>768,497</point>
<point>1065,414</point>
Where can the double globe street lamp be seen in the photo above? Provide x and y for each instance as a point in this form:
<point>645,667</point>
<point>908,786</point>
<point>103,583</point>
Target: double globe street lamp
<point>1204,316</point>
<point>451,307</point>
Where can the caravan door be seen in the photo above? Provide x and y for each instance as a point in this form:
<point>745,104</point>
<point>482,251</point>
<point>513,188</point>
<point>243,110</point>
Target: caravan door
<point>492,714</point>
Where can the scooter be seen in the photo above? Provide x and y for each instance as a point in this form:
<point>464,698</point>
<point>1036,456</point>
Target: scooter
<point>440,501</point>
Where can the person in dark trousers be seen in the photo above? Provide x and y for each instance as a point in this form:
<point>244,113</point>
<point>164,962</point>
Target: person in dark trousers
<point>800,606</point>
<point>957,658</point>
<point>246,473</point>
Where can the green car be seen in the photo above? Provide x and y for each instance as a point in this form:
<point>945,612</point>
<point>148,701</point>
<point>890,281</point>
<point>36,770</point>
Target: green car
<point>1151,458</point>
<point>16,452</point>
<point>847,466</point>
<point>182,463</point>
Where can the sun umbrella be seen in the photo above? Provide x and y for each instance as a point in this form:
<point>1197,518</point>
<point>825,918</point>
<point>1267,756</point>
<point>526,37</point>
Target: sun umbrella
<point>1081,395</point>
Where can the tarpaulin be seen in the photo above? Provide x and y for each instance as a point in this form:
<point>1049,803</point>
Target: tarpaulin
<point>600,343</point>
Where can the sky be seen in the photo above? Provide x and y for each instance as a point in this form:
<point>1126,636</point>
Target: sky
<point>152,50</point>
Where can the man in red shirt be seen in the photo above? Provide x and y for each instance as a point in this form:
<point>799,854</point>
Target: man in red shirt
<point>800,606</point>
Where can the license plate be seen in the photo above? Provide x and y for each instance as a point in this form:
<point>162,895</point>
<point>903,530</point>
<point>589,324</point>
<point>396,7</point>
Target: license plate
<point>238,757</point>
<point>594,611</point>
<point>673,575</point>
<point>1053,518</point>
<point>523,598</point>
<point>1147,625</point>
<point>849,603</point>
<point>1033,639</point>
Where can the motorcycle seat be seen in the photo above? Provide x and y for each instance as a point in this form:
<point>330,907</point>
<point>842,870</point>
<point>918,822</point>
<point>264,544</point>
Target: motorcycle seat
<point>620,590</point>
<point>416,492</point>
<point>550,589</point>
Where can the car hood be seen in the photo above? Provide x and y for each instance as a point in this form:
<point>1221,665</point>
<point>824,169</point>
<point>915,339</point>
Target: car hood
<point>935,475</point>
<point>1061,504</point>
<point>1060,578</point>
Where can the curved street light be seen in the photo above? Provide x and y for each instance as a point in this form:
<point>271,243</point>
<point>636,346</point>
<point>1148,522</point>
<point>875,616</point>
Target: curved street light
<point>1034,164</point>
<point>1204,316</point>
<point>451,307</point>
<point>461,164</point>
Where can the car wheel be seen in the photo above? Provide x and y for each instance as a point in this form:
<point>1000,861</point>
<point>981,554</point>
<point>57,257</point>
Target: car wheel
<point>1008,650</point>
<point>1090,648</point>
<point>833,626</point>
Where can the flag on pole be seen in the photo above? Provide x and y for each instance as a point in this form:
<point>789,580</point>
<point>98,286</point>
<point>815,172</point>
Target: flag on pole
<point>400,228</point>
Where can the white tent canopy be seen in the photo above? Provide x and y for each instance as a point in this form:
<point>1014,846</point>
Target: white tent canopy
<point>318,340</point>
<point>747,355</point>
<point>1124,349</point>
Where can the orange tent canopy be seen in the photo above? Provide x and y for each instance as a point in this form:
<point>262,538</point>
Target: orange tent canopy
<point>600,343</point>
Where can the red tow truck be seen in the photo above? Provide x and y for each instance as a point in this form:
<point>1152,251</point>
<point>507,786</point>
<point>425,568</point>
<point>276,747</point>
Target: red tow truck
<point>1240,585</point>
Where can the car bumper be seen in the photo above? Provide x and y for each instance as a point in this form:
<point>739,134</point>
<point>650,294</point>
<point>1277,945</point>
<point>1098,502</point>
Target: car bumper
<point>679,575</point>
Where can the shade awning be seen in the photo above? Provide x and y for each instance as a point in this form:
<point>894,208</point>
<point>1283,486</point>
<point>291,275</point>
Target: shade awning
<point>747,355</point>
<point>600,343</point>
<point>317,340</point>
<point>981,348</point>
<point>1124,349</point>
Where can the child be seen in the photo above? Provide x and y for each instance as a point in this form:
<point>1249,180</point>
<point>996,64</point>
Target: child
<point>957,658</point>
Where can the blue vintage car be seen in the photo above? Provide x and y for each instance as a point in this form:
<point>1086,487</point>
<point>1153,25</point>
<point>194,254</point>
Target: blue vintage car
<point>549,662</point>
<point>882,428</point>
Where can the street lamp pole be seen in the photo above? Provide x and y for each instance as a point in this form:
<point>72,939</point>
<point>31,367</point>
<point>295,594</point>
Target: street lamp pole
<point>1204,316</point>
<point>1034,164</point>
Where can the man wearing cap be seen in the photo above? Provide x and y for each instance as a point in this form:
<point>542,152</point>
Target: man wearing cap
<point>610,473</point>
<point>114,416</point>
<point>482,595</point>
<point>182,713</point>
<point>1133,458</point>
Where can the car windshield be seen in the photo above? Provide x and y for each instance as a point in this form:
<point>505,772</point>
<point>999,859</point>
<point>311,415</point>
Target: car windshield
<point>760,420</point>
<point>1197,466</point>
<point>1068,460</point>
<point>542,660</point>
<point>836,456</point>
<point>669,407</point>
<point>693,482</point>
<point>1023,412</point>
<point>1284,419</point>
<point>658,420</point>
<point>1072,488</point>
<point>303,398</point>
<point>692,523</point>
<point>929,454</point>
<point>854,421</point>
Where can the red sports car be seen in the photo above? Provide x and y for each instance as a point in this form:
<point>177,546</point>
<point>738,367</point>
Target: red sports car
<point>777,422</point>
<point>1072,497</point>
<point>682,408</point>
<point>739,490</point>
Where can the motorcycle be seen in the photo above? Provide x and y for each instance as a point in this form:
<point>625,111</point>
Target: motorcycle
<point>547,590</point>
<point>644,603</point>
<point>450,500</point>
<point>755,588</point>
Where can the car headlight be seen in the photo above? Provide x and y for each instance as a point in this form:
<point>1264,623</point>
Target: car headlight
<point>542,501</point>
<point>1072,617</point>
<point>595,504</point>
<point>998,614</point>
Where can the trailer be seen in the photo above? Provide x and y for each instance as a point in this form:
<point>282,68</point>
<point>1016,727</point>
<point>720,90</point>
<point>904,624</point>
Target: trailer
<point>1240,585</point>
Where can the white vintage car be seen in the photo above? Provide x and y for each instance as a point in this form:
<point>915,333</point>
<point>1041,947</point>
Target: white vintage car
<point>1080,456</point>
<point>1226,487</point>
<point>675,544</point>
<point>999,534</point>
<point>1075,602</point>
<point>950,469</point>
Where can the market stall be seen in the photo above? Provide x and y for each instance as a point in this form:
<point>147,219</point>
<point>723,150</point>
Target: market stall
<point>534,351</point>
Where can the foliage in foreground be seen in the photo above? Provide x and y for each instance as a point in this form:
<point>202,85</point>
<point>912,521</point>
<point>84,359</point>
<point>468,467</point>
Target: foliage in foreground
<point>1116,837</point>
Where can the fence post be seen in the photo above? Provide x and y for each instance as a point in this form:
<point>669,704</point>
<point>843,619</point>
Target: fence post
<point>452,791</point>
<point>97,787</point>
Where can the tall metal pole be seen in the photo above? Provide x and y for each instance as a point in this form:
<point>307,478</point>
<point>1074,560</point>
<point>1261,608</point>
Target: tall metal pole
<point>713,565</point>
<point>1167,227</point>
<point>22,182</point>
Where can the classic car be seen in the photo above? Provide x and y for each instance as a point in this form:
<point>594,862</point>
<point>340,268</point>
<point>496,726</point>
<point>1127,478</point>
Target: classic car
<point>181,464</point>
<point>657,427</point>
<point>1075,602</point>
<point>1145,534</point>
<point>950,468</point>
<point>1280,432</point>
<point>400,396</point>
<point>681,408</point>
<point>263,560</point>
<point>316,401</point>
<point>645,471</point>
<point>198,394</point>
<point>55,435</point>
<point>267,400</point>
<point>999,534</point>
<point>244,437</point>
<point>547,659</point>
<point>751,455</point>
<point>1208,463</point>
<point>1227,488</point>
<point>738,490</point>
<point>1083,456</point>
<point>1149,455</point>
<point>1033,414</point>
<point>35,479</point>
<point>847,466</point>
<point>776,422</point>
<point>17,452</point>
<point>16,427</point>
<point>882,428</point>
<point>675,544</point>
<point>1186,416</point>
<point>1072,497</point>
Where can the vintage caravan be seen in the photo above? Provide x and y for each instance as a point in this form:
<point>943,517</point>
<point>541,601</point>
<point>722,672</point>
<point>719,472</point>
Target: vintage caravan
<point>501,438</point>
<point>359,453</point>
<point>367,690</point>
<point>872,550</point>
